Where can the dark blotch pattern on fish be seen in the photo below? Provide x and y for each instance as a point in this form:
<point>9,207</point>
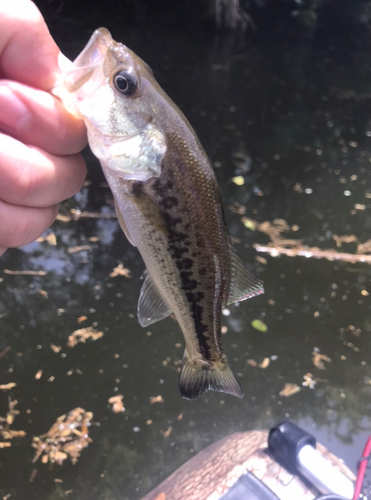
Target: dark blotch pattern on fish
<point>184,262</point>
<point>169,202</point>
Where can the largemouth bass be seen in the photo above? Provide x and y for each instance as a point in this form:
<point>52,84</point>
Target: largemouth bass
<point>167,202</point>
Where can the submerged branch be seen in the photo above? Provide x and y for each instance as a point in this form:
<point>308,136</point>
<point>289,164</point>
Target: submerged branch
<point>25,273</point>
<point>314,253</point>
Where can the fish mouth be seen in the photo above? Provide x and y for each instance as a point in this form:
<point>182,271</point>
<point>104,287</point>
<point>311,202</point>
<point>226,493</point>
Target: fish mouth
<point>108,139</point>
<point>84,66</point>
<point>91,58</point>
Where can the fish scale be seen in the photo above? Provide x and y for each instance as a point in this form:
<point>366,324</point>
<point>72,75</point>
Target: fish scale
<point>167,202</point>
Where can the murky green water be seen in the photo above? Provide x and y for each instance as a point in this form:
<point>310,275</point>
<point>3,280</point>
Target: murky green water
<point>286,108</point>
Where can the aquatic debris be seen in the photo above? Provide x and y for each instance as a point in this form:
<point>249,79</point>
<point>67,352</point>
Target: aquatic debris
<point>265,363</point>
<point>55,348</point>
<point>120,270</point>
<point>33,475</point>
<point>82,335</point>
<point>259,325</point>
<point>262,260</point>
<point>24,273</point>
<point>7,387</point>
<point>354,331</point>
<point>79,248</point>
<point>5,423</point>
<point>5,351</point>
<point>81,319</point>
<point>289,390</point>
<point>77,214</point>
<point>352,346</point>
<point>168,431</point>
<point>237,208</point>
<point>67,437</point>
<point>364,247</point>
<point>250,224</point>
<point>318,360</point>
<point>49,238</point>
<point>309,381</point>
<point>117,403</point>
<point>314,253</point>
<point>63,218</point>
<point>295,248</point>
<point>274,229</point>
<point>238,180</point>
<point>155,399</point>
<point>344,239</point>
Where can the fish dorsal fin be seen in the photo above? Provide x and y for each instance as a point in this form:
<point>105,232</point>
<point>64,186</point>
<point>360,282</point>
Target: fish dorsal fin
<point>122,223</point>
<point>151,306</point>
<point>244,285</point>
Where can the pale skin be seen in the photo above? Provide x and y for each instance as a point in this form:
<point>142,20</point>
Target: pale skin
<point>40,141</point>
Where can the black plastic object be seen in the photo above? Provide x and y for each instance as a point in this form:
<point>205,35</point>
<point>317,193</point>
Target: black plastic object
<point>285,441</point>
<point>249,487</point>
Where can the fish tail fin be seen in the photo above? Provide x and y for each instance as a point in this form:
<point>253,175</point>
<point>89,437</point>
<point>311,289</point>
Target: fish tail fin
<point>195,379</point>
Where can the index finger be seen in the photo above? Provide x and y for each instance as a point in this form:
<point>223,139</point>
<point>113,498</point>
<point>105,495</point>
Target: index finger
<point>28,53</point>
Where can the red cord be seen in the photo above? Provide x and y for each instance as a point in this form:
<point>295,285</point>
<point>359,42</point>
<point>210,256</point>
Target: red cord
<point>362,469</point>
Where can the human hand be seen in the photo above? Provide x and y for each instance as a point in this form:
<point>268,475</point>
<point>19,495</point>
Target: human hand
<point>39,140</point>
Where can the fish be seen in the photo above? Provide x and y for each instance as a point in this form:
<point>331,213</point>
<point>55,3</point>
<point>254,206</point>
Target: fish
<point>167,202</point>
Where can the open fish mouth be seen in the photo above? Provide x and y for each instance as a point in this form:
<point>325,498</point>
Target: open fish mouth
<point>86,68</point>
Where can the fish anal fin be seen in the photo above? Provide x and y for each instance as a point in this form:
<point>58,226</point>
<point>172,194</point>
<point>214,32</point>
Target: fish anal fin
<point>122,223</point>
<point>244,284</point>
<point>195,379</point>
<point>151,306</point>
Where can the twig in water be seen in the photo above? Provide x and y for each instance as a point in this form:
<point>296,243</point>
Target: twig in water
<point>25,273</point>
<point>314,253</point>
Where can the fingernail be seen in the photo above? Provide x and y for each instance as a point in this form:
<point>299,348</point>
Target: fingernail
<point>14,114</point>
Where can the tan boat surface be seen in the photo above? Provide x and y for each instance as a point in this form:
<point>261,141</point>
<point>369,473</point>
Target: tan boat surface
<point>209,474</point>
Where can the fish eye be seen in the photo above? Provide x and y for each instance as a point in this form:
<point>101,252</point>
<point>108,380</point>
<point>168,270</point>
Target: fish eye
<point>126,82</point>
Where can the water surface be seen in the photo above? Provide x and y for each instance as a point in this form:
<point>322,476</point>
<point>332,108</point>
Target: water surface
<point>285,107</point>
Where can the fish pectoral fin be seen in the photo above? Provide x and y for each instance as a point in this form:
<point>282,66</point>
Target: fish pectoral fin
<point>122,223</point>
<point>244,284</point>
<point>151,306</point>
<point>196,379</point>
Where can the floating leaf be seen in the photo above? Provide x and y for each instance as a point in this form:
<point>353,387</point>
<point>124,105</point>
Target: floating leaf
<point>250,224</point>
<point>239,180</point>
<point>259,325</point>
<point>289,390</point>
<point>318,360</point>
<point>117,404</point>
<point>155,399</point>
<point>265,363</point>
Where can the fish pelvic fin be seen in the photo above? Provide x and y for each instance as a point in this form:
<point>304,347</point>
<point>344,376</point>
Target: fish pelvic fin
<point>151,306</point>
<point>196,379</point>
